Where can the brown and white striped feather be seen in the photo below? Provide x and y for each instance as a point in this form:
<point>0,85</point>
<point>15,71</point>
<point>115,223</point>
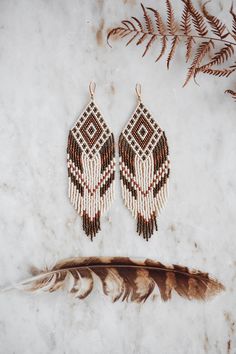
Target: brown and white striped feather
<point>124,279</point>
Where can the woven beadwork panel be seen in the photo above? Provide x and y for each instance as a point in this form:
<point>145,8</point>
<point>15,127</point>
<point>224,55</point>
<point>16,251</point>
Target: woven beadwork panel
<point>144,169</point>
<point>91,167</point>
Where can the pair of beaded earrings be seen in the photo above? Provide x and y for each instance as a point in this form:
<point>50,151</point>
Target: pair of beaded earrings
<point>144,167</point>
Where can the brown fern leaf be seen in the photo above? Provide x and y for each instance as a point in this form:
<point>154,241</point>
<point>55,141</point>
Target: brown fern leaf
<point>123,278</point>
<point>148,20</point>
<point>115,32</point>
<point>193,28</point>
<point>130,26</point>
<point>149,44</point>
<point>141,39</point>
<point>132,38</point>
<point>232,93</point>
<point>163,48</point>
<point>186,28</point>
<point>174,44</point>
<point>122,32</point>
<point>159,22</point>
<point>202,50</point>
<point>189,47</point>
<point>217,26</point>
<point>234,22</point>
<point>141,29</point>
<point>233,66</point>
<point>185,24</point>
<point>220,57</point>
<point>125,33</point>
<point>197,18</point>
<point>215,72</point>
<point>171,25</point>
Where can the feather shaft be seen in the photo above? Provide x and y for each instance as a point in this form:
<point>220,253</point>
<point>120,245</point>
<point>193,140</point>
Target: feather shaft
<point>123,278</point>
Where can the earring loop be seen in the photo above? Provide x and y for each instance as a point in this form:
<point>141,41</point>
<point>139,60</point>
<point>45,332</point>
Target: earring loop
<point>92,88</point>
<point>138,91</point>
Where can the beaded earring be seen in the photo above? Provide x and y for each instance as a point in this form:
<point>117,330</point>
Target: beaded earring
<point>91,166</point>
<point>144,168</point>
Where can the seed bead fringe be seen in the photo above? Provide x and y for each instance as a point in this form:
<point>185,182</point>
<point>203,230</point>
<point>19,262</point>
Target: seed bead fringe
<point>91,168</point>
<point>144,173</point>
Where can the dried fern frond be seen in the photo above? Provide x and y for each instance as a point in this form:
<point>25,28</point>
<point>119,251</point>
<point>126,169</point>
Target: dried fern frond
<point>234,22</point>
<point>163,47</point>
<point>207,40</point>
<point>148,21</point>
<point>217,26</point>
<point>201,52</point>
<point>197,18</point>
<point>159,22</point>
<point>222,72</point>
<point>185,24</point>
<point>220,57</point>
<point>171,25</point>
<point>232,93</point>
<point>175,41</point>
<point>124,278</point>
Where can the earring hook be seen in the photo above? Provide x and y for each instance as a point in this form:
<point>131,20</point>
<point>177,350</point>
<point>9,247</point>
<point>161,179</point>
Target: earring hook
<point>92,88</point>
<point>138,90</point>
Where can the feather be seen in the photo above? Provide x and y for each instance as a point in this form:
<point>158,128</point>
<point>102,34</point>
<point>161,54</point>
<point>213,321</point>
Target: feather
<point>123,278</point>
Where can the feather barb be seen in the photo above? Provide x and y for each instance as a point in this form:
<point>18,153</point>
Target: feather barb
<point>124,278</point>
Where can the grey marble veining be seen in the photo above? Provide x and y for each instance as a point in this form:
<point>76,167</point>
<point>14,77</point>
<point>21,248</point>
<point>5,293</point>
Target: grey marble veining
<point>49,52</point>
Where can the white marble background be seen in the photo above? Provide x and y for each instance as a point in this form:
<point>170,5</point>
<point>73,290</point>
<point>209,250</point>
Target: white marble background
<point>49,51</point>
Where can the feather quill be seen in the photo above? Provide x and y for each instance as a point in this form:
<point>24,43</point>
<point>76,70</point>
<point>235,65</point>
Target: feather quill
<point>123,279</point>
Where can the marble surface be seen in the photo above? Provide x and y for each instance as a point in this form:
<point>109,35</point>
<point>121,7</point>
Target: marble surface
<point>49,51</point>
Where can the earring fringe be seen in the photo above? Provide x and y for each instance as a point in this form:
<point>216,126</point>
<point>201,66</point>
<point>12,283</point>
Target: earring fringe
<point>144,169</point>
<point>91,168</point>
